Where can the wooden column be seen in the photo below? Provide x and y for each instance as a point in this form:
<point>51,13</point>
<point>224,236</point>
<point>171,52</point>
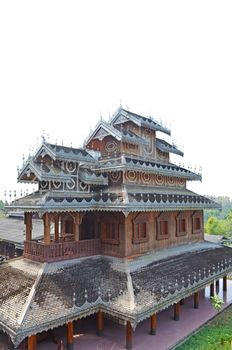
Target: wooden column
<point>217,283</point>
<point>127,236</point>
<point>56,232</point>
<point>225,283</point>
<point>47,237</point>
<point>153,320</point>
<point>100,323</point>
<point>28,223</point>
<point>32,342</point>
<point>70,336</point>
<point>129,335</point>
<point>177,311</point>
<point>212,289</point>
<point>182,302</point>
<point>196,300</point>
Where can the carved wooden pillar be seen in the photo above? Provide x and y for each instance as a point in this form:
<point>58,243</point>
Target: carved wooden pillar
<point>56,228</point>
<point>176,311</point>
<point>47,237</point>
<point>225,283</point>
<point>196,300</point>
<point>32,342</point>
<point>100,323</point>
<point>129,335</point>
<point>28,223</point>
<point>70,336</point>
<point>212,289</point>
<point>153,320</point>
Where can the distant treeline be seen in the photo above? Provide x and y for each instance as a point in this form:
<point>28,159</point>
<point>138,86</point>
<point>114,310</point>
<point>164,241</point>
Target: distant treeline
<point>219,221</point>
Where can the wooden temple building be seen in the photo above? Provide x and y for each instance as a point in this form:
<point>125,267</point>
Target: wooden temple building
<point>123,236</point>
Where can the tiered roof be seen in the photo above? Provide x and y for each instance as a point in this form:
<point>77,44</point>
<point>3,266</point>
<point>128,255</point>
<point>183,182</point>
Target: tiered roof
<point>81,177</point>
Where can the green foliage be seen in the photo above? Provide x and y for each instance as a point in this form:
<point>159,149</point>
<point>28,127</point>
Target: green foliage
<point>1,205</point>
<point>219,221</point>
<point>217,226</point>
<point>216,335</point>
<point>217,302</point>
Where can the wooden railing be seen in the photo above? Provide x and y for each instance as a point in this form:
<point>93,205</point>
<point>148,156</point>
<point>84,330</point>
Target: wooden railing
<point>61,251</point>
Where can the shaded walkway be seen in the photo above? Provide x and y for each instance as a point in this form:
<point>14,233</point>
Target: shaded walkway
<point>169,332</point>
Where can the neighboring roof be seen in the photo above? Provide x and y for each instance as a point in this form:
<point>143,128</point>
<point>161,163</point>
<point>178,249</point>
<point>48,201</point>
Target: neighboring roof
<point>128,289</point>
<point>122,116</point>
<point>122,199</point>
<point>91,178</point>
<point>64,153</point>
<point>164,146</point>
<point>42,172</point>
<point>13,230</point>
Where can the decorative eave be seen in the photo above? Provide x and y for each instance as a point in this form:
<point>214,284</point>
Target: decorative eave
<point>91,178</point>
<point>41,174</point>
<point>121,116</point>
<point>164,146</point>
<point>133,202</point>
<point>104,129</point>
<point>126,163</point>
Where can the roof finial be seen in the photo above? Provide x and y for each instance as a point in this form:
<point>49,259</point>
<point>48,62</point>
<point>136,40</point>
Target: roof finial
<point>43,136</point>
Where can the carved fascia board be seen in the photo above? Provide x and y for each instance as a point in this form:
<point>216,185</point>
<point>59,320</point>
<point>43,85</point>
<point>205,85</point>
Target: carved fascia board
<point>43,150</point>
<point>29,167</point>
<point>121,116</point>
<point>103,129</point>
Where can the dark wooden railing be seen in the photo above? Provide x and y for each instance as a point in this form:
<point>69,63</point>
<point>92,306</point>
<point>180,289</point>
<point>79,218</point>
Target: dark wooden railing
<point>38,251</point>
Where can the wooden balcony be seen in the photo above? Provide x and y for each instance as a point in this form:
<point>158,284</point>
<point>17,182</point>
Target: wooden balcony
<point>38,251</point>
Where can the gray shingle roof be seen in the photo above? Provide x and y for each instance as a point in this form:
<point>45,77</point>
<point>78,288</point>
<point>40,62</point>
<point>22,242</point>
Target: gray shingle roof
<point>130,289</point>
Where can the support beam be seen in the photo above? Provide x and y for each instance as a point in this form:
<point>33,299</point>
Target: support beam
<point>129,335</point>
<point>217,283</point>
<point>176,311</point>
<point>196,300</point>
<point>56,231</point>
<point>153,320</point>
<point>32,342</point>
<point>212,289</point>
<point>225,283</point>
<point>100,323</point>
<point>70,336</point>
<point>47,237</point>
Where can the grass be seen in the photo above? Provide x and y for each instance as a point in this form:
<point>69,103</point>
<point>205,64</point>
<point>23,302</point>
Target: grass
<point>216,335</point>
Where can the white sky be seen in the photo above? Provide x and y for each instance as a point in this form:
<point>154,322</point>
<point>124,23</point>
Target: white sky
<point>62,63</point>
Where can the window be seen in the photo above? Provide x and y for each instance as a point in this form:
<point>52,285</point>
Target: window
<point>140,233</point>
<point>110,232</point>
<point>163,229</point>
<point>181,224</point>
<point>197,222</point>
